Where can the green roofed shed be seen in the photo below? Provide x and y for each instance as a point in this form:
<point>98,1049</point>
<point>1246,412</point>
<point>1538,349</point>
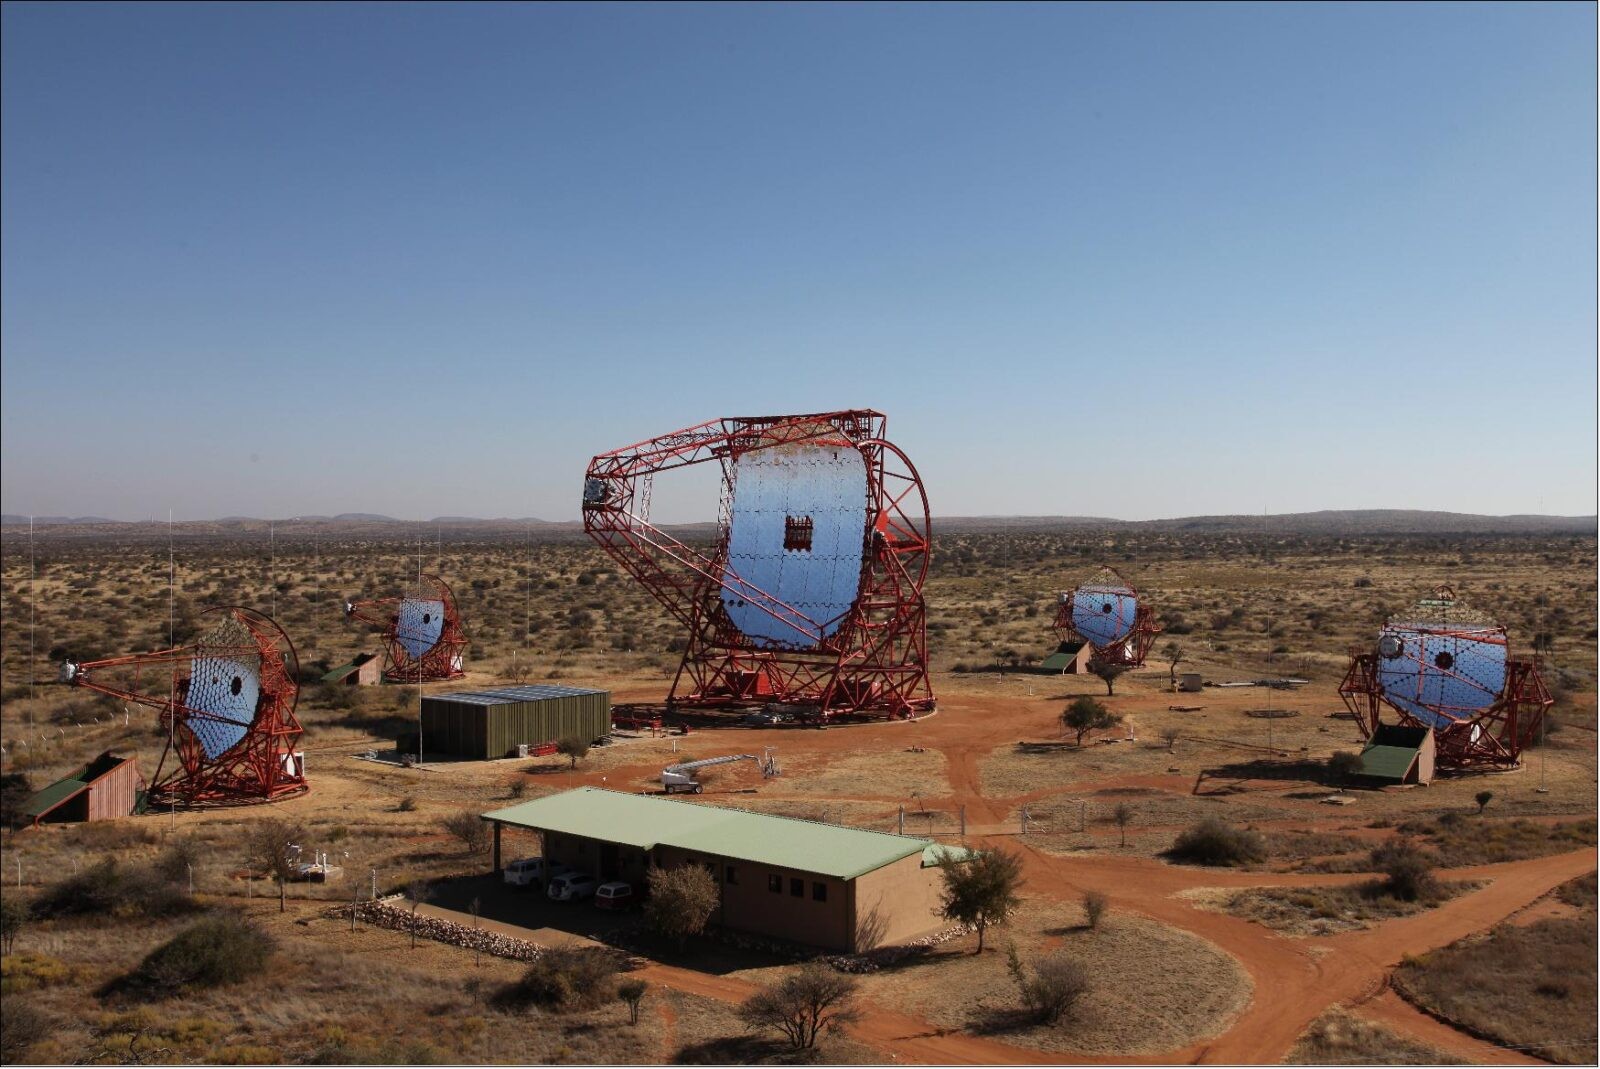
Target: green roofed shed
<point>53,795</point>
<point>1398,754</point>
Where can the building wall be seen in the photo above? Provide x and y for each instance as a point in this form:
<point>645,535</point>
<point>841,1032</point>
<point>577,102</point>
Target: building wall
<point>749,904</point>
<point>491,731</point>
<point>367,675</point>
<point>897,903</point>
<point>113,794</point>
<point>1425,755</point>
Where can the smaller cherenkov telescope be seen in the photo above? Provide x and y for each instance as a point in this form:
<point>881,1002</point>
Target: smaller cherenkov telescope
<point>423,639</point>
<point>1444,666</point>
<point>1107,613</point>
<point>228,703</point>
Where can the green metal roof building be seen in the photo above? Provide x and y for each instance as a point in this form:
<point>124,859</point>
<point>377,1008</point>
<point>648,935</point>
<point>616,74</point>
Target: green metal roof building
<point>797,880</point>
<point>493,723</point>
<point>1396,754</point>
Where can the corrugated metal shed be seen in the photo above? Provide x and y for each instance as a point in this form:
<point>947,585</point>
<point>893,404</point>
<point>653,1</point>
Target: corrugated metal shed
<point>646,822</point>
<point>106,788</point>
<point>493,723</point>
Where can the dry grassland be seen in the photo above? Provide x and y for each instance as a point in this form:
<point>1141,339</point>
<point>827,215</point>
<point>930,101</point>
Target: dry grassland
<point>1152,989</point>
<point>1241,607</point>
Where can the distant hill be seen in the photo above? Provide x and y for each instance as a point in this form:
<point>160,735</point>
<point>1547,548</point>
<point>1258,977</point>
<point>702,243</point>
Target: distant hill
<point>10,519</point>
<point>357,525</point>
<point>1328,522</point>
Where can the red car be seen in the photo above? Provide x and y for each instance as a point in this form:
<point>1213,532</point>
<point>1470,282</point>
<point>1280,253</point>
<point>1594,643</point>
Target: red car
<point>614,895</point>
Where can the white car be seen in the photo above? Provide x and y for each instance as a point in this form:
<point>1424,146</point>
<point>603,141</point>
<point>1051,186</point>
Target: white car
<point>530,870</point>
<point>572,887</point>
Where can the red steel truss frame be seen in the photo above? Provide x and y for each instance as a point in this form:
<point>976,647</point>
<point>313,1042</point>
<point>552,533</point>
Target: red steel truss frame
<point>873,664</point>
<point>1489,738</point>
<point>444,660</point>
<point>264,766</point>
<point>1131,649</point>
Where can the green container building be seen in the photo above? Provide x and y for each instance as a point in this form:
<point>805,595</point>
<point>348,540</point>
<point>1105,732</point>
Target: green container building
<point>493,723</point>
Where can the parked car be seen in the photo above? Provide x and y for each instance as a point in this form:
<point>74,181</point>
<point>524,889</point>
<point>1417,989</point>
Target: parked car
<point>572,887</point>
<point>530,870</point>
<point>614,895</point>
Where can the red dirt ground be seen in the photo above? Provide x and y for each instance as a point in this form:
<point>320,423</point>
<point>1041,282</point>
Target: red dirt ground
<point>1295,980</point>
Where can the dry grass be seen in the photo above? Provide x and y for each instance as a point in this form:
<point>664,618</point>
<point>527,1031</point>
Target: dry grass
<point>1530,986</point>
<point>1461,840</point>
<point>1337,1038</point>
<point>560,611</point>
<point>1312,911</point>
<point>1154,988</point>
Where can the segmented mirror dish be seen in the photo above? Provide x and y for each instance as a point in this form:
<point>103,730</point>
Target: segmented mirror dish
<point>224,688</point>
<point>1104,612</point>
<point>797,532</point>
<point>420,623</point>
<point>1441,662</point>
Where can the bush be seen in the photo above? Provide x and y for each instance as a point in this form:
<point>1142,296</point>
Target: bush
<point>22,1026</point>
<point>1095,905</point>
<point>468,829</point>
<point>212,952</point>
<point>567,978</point>
<point>1212,842</point>
<point>681,901</point>
<point>15,790</point>
<point>1050,987</point>
<point>1407,870</point>
<point>108,889</point>
<point>1343,765</point>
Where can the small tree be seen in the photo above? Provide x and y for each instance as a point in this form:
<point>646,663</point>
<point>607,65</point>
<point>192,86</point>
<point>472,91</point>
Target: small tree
<point>13,915</point>
<point>1095,905</point>
<point>417,892</point>
<point>981,891</point>
<point>574,748</point>
<point>269,845</point>
<point>467,828</point>
<point>1173,653</point>
<point>1050,987</point>
<point>1122,815</point>
<point>1170,736</point>
<point>1483,798</point>
<point>632,992</point>
<point>1085,715</point>
<point>681,901</point>
<point>804,1004</point>
<point>1108,673</point>
<point>1343,766</point>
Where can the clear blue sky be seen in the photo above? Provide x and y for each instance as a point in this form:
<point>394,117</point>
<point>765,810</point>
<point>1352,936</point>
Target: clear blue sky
<point>1124,261</point>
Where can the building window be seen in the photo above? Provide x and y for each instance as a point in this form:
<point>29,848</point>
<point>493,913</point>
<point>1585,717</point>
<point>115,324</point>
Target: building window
<point>775,883</point>
<point>797,887</point>
<point>731,874</point>
<point>819,892</point>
